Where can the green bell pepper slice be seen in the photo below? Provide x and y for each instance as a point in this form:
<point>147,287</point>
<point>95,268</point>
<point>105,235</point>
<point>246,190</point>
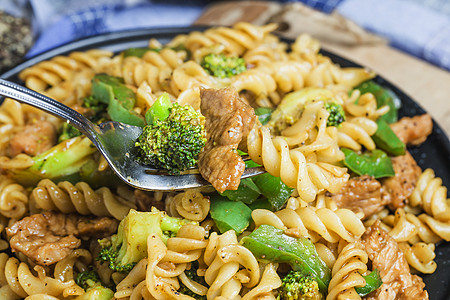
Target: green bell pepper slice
<point>138,52</point>
<point>120,99</point>
<point>375,163</point>
<point>247,192</point>
<point>228,214</point>
<point>264,114</point>
<point>373,281</point>
<point>383,97</point>
<point>160,110</point>
<point>270,244</point>
<point>387,140</point>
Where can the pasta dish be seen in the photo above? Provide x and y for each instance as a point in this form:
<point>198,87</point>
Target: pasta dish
<point>342,212</point>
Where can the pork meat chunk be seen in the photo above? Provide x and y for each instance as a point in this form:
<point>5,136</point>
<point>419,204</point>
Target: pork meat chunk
<point>34,139</point>
<point>398,188</point>
<point>361,194</point>
<point>229,119</point>
<point>49,237</point>
<point>415,130</point>
<point>398,283</point>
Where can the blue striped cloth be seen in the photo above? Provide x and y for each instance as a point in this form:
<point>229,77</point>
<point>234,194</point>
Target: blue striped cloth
<point>419,27</point>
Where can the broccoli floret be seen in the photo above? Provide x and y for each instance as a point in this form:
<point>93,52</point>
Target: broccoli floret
<point>192,274</point>
<point>129,245</point>
<point>68,132</point>
<point>97,293</point>
<point>175,142</point>
<point>337,114</point>
<point>87,279</point>
<point>222,66</point>
<point>97,110</point>
<point>59,162</point>
<point>90,282</point>
<point>295,285</point>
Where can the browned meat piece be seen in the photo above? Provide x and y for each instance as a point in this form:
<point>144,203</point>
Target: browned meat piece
<point>397,189</point>
<point>34,139</point>
<point>361,194</point>
<point>398,283</point>
<point>415,130</point>
<point>228,120</point>
<point>49,237</point>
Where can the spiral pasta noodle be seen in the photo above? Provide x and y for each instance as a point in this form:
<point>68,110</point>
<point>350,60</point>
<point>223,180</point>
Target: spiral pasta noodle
<point>292,166</point>
<point>405,226</point>
<point>234,41</point>
<point>154,69</point>
<point>18,281</point>
<point>62,68</point>
<point>13,198</point>
<point>190,205</point>
<point>224,256</point>
<point>80,198</point>
<point>269,282</point>
<point>431,195</point>
<point>356,133</point>
<point>346,273</point>
<point>12,120</point>
<point>322,222</point>
<point>420,256</point>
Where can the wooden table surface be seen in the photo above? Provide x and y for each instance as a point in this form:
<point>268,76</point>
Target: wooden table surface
<point>427,84</point>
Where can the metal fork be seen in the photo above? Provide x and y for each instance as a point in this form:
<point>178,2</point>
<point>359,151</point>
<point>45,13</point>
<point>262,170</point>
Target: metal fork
<point>115,141</point>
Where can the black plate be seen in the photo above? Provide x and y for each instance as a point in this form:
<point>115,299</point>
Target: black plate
<point>434,153</point>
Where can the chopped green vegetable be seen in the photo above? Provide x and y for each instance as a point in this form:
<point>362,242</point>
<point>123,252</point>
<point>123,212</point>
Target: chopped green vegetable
<point>63,160</point>
<point>373,281</point>
<point>296,286</point>
<point>261,203</point>
<point>383,97</point>
<point>87,279</point>
<point>120,99</point>
<point>129,245</point>
<point>67,132</point>
<point>247,192</point>
<point>375,163</point>
<point>222,66</point>
<point>269,186</point>
<point>275,190</point>
<point>264,114</point>
<point>174,143</point>
<point>229,214</point>
<point>270,244</point>
<point>386,139</point>
<point>138,52</point>
<point>90,282</point>
<point>97,110</point>
<point>160,110</point>
<point>337,114</point>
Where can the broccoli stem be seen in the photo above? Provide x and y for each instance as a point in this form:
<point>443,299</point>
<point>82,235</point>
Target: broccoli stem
<point>60,161</point>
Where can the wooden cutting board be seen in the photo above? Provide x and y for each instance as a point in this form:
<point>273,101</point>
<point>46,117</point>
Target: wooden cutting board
<point>427,84</point>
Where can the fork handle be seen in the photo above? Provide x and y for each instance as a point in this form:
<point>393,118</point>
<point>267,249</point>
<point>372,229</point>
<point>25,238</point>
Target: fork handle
<point>35,99</point>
